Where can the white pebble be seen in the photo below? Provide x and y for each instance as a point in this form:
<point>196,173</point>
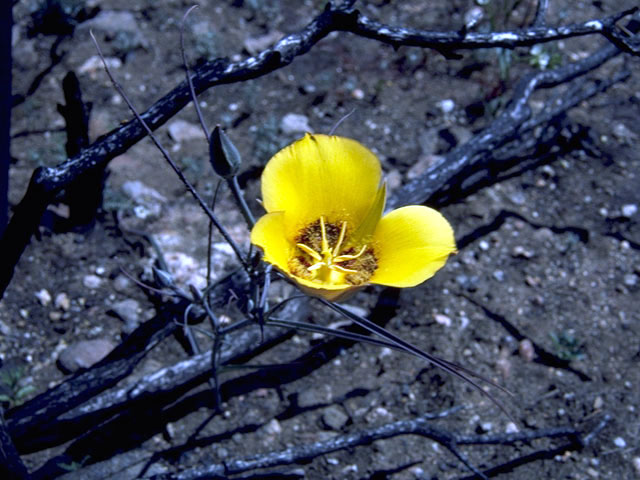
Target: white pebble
<point>447,105</point>
<point>92,281</point>
<point>62,301</point>
<point>629,210</point>
<point>442,319</point>
<point>619,442</point>
<point>295,123</point>
<point>273,427</point>
<point>511,428</point>
<point>44,297</point>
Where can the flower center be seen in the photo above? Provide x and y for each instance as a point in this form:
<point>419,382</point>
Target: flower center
<point>324,256</point>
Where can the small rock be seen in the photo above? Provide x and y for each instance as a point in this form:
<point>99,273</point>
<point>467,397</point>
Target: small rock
<point>428,141</point>
<point>526,350</point>
<point>94,64</point>
<point>255,45</point>
<point>334,418</point>
<point>503,364</point>
<point>113,21</point>
<point>357,93</point>
<point>55,316</point>
<point>630,279</point>
<point>548,171</point>
<point>44,297</point>
<point>121,283</point>
<point>452,136</point>
<point>498,275</point>
<point>128,311</point>
<point>181,131</point>
<point>377,413</point>
<point>521,252</point>
<point>394,180</point>
<point>273,427</point>
<point>619,442</point>
<point>473,16</point>
<point>442,319</point>
<point>355,309</point>
<point>120,26</point>
<point>92,281</point>
<point>623,133</point>
<point>62,302</point>
<point>185,270</point>
<point>518,198</point>
<point>543,234</point>
<point>422,165</point>
<point>592,472</point>
<point>447,105</point>
<point>84,354</point>
<point>484,245</point>
<point>532,281</point>
<point>598,403</point>
<point>468,283</point>
<point>149,201</point>
<point>141,193</point>
<point>636,465</point>
<point>486,426</point>
<point>295,123</point>
<point>5,329</point>
<point>511,428</point>
<point>629,210</point>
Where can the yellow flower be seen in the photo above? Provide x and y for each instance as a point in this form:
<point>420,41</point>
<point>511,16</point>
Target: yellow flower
<point>324,226</point>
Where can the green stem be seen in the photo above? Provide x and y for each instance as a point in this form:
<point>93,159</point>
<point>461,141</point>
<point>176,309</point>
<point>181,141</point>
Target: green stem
<point>239,198</point>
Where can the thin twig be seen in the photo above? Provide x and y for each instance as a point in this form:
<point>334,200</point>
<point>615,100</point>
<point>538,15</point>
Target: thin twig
<point>192,90</point>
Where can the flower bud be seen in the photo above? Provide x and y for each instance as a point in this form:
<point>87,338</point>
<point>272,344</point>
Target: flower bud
<point>163,278</point>
<point>223,154</point>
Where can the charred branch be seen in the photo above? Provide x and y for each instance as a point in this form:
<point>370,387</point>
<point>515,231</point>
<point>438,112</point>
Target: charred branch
<point>422,426</point>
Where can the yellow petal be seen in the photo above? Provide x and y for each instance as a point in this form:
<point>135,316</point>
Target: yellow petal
<point>368,225</point>
<point>321,175</point>
<point>411,244</point>
<point>267,234</point>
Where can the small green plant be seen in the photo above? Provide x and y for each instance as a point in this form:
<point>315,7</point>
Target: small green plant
<point>543,57</point>
<point>12,390</point>
<point>567,346</point>
<point>74,465</point>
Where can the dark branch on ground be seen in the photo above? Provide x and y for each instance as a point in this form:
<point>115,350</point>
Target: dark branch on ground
<point>422,426</point>
<point>11,465</point>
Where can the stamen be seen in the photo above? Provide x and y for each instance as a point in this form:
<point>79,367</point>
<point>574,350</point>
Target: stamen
<point>325,260</point>
<point>344,258</point>
<point>309,251</point>
<point>338,268</point>
<point>343,231</point>
<point>325,244</point>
